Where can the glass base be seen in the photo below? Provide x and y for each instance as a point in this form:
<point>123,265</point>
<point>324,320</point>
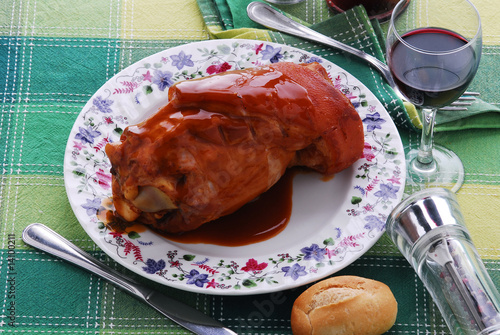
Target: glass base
<point>445,171</point>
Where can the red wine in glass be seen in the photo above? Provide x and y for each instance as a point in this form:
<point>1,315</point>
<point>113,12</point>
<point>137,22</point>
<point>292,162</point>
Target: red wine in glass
<point>431,77</point>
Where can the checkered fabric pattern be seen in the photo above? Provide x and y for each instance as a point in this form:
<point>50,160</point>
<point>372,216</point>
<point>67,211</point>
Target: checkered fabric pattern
<point>54,54</point>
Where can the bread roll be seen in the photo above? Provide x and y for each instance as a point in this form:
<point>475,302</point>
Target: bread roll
<point>344,305</point>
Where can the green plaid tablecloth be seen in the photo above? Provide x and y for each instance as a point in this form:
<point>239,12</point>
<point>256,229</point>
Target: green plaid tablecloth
<point>55,54</point>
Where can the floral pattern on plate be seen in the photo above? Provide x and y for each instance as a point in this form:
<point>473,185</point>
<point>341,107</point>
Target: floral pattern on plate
<point>374,183</point>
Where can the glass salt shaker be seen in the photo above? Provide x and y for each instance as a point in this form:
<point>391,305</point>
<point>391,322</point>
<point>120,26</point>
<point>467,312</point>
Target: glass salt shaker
<point>429,230</point>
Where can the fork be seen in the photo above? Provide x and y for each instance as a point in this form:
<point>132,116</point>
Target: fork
<point>462,102</point>
<point>267,16</point>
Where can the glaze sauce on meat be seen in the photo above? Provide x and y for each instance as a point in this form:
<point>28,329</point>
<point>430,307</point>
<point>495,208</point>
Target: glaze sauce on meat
<point>222,141</point>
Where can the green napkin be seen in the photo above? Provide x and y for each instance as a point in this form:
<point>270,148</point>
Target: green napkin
<point>228,19</point>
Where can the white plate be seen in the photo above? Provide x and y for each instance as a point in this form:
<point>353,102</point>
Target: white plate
<point>332,224</point>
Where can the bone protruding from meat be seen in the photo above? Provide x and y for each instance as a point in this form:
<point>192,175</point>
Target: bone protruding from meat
<point>151,199</point>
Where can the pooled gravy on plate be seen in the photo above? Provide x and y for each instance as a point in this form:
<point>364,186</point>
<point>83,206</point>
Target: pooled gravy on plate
<point>257,221</point>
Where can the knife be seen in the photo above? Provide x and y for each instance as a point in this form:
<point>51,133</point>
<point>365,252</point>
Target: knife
<point>45,239</point>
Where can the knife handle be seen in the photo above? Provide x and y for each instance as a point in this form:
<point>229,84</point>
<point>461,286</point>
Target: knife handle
<point>45,239</point>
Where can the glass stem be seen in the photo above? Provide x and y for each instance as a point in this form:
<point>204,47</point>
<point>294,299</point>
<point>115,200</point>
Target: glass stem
<point>426,141</point>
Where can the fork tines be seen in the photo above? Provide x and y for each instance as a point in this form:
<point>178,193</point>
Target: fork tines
<point>462,102</point>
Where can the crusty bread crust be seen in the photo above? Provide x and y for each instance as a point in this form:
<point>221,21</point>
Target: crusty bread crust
<point>344,305</point>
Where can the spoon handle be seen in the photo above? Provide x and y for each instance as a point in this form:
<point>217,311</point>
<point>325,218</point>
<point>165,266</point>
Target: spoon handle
<point>269,17</point>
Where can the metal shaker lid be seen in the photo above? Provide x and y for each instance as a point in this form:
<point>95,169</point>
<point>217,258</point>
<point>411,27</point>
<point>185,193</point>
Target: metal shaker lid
<point>420,213</point>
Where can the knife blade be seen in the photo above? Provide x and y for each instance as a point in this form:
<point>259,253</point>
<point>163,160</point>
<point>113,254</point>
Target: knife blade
<point>45,239</point>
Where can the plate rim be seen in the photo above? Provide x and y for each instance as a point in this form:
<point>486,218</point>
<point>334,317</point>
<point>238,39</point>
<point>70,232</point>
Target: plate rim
<point>192,288</point>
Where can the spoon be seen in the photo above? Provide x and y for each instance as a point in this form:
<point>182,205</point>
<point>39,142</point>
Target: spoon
<point>269,17</point>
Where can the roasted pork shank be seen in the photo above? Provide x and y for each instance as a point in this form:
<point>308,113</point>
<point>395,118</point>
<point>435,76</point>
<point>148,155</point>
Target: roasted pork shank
<point>223,140</point>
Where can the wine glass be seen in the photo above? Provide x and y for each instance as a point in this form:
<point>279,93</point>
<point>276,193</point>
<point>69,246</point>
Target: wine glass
<point>433,52</point>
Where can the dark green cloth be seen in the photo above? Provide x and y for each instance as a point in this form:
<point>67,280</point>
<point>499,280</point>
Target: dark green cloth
<point>355,29</point>
<point>352,27</point>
